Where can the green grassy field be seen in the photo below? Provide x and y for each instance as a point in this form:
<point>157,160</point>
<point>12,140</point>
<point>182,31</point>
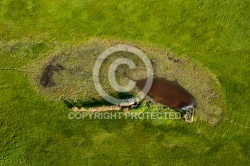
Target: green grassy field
<point>36,130</point>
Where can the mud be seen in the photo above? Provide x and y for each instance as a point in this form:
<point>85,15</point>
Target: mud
<point>47,77</point>
<point>168,93</point>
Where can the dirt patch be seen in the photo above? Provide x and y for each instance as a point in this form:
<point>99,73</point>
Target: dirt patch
<point>47,76</point>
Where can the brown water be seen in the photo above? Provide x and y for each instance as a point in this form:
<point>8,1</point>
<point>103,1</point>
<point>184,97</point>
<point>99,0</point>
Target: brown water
<point>168,93</point>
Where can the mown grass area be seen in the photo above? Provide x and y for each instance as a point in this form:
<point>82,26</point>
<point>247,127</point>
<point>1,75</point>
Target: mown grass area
<point>37,131</point>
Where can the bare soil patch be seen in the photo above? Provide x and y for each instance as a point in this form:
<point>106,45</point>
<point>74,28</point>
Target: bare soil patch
<point>47,76</point>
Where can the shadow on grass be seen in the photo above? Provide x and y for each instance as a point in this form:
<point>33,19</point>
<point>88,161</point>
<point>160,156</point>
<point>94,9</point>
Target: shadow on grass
<point>94,102</point>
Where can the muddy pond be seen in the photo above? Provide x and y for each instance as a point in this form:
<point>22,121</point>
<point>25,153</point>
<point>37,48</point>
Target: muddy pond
<point>168,93</point>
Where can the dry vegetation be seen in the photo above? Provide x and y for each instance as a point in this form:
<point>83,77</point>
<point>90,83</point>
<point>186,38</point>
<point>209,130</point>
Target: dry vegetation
<point>75,80</point>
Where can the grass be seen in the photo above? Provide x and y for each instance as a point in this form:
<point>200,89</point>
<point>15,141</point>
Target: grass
<point>36,131</point>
